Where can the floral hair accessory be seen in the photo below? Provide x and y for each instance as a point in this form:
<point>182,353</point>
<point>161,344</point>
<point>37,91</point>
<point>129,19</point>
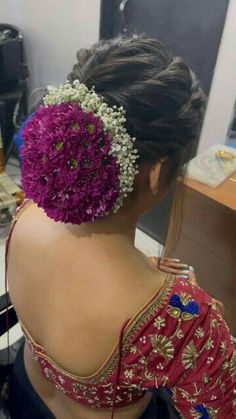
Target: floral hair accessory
<point>79,162</point>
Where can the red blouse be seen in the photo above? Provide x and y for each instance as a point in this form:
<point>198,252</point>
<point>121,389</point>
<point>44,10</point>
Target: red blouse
<point>177,340</point>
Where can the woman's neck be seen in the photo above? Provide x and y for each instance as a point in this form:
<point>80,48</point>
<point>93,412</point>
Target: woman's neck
<point>121,225</point>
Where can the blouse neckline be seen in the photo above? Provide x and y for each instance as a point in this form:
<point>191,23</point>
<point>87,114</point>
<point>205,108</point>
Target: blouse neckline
<point>132,327</point>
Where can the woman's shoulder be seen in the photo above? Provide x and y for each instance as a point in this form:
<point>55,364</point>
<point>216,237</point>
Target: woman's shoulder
<point>186,324</point>
<point>187,297</point>
<point>177,311</point>
<point>190,305</point>
<point>29,223</point>
<point>179,298</point>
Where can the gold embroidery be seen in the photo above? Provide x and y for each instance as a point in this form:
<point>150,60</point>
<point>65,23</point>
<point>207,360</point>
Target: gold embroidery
<point>197,391</point>
<point>147,313</point>
<point>222,387</point>
<point>179,333</point>
<point>187,316</point>
<point>212,412</point>
<point>133,349</point>
<point>132,329</point>
<point>186,395</point>
<point>223,348</point>
<point>199,332</point>
<point>162,346</point>
<point>205,378</point>
<point>209,344</point>
<point>196,415</point>
<point>189,356</point>
<point>214,323</point>
<point>232,368</point>
<point>129,373</point>
<point>159,322</point>
<point>149,375</point>
<point>174,312</point>
<point>143,360</point>
<point>230,365</point>
<point>185,298</point>
<point>79,386</point>
<point>225,365</point>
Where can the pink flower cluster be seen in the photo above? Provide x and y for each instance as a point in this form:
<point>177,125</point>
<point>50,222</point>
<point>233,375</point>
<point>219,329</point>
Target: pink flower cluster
<point>67,166</point>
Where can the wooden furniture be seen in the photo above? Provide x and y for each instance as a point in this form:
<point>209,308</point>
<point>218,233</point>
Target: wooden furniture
<point>208,240</point>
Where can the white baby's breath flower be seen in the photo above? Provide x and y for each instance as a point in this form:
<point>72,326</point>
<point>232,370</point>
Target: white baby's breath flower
<point>113,119</point>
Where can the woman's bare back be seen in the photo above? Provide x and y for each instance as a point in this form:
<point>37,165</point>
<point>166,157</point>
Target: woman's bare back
<point>73,291</point>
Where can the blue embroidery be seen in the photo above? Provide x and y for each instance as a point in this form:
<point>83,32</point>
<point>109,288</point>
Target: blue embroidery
<point>175,301</point>
<point>200,408</point>
<point>192,307</point>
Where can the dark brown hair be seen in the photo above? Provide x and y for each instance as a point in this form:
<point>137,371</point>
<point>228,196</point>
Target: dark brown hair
<point>164,102</point>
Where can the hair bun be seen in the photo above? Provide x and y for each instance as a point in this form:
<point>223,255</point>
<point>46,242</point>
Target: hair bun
<point>82,56</point>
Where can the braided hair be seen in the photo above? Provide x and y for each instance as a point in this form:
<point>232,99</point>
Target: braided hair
<point>163,100</point>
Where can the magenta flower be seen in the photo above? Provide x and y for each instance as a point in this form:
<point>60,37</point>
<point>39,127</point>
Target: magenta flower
<point>67,166</point>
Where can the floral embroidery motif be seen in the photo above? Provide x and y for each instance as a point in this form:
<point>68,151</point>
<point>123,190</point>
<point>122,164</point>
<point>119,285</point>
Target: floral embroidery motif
<point>49,374</point>
<point>186,396</point>
<point>179,334</point>
<point>215,307</point>
<point>209,344</point>
<point>199,332</point>
<point>148,358</point>
<point>133,349</point>
<point>159,322</point>
<point>129,373</point>
<point>62,380</point>
<point>190,356</point>
<point>162,346</point>
<point>182,306</point>
<point>143,360</point>
<point>225,365</point>
<point>143,339</point>
<point>230,365</point>
<point>185,298</point>
<point>149,375</point>
<point>215,323</point>
<point>223,348</point>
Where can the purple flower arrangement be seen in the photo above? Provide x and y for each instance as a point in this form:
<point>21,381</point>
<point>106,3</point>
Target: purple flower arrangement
<point>68,168</point>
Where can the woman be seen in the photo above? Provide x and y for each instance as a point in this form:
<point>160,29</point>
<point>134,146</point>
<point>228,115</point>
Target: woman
<point>104,327</point>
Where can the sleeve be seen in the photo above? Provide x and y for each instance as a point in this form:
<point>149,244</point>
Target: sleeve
<point>201,373</point>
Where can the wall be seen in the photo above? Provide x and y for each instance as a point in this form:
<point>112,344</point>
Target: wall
<point>223,89</point>
<point>53,31</point>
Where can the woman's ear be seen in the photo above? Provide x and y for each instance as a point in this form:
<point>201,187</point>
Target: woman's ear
<point>154,176</point>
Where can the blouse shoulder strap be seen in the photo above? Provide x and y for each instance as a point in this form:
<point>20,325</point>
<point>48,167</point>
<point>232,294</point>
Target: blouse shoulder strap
<point>17,215</point>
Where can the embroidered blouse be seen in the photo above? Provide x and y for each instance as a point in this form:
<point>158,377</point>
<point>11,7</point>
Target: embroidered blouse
<point>178,340</point>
